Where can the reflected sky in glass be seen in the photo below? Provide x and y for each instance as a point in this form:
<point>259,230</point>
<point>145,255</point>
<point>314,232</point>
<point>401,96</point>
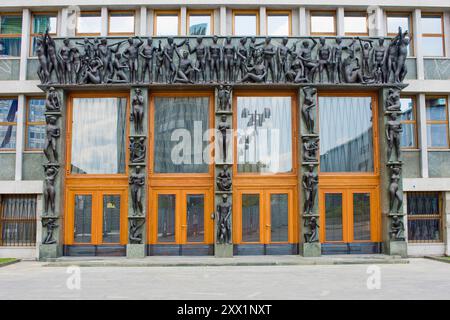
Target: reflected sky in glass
<point>394,22</point>
<point>200,25</point>
<point>89,24</point>
<point>121,22</point>
<point>167,25</point>
<point>355,24</point>
<point>406,107</point>
<point>278,25</point>
<point>432,46</point>
<point>322,24</point>
<point>245,25</point>
<point>431,24</point>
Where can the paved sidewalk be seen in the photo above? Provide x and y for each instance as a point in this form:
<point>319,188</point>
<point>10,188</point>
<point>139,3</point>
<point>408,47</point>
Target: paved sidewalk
<point>186,261</point>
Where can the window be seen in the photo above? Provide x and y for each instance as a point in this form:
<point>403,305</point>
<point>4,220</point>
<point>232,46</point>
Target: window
<point>424,216</point>
<point>403,20</point>
<point>89,23</point>
<point>264,136</point>
<point>18,220</point>
<point>323,23</point>
<point>98,135</point>
<point>408,120</point>
<point>8,121</point>
<point>245,23</point>
<point>10,35</point>
<point>355,23</point>
<point>35,123</point>
<point>180,124</point>
<point>346,134</point>
<point>39,24</point>
<point>166,23</point>
<point>437,122</point>
<point>200,23</point>
<point>278,23</point>
<point>432,35</point>
<point>121,23</point>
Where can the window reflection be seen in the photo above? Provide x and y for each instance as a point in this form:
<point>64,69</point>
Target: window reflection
<point>346,135</point>
<point>89,23</point>
<point>250,218</point>
<point>408,120</point>
<point>83,219</point>
<point>323,23</point>
<point>35,124</point>
<point>355,23</point>
<point>361,216</point>
<point>279,217</point>
<point>10,35</point>
<point>333,217</point>
<point>111,218</point>
<point>264,137</point>
<point>195,204</point>
<point>437,123</point>
<point>167,24</point>
<point>121,22</point>
<point>166,217</point>
<point>98,135</point>
<point>278,25</point>
<point>8,118</point>
<point>245,25</point>
<point>199,25</point>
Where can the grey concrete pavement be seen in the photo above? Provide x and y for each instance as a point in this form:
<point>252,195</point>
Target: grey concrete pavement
<point>420,279</point>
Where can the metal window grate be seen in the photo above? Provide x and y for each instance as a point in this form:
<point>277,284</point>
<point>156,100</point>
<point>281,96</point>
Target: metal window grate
<point>18,220</point>
<point>424,217</point>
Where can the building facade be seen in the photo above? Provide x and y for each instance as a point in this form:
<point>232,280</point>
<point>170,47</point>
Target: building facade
<point>224,128</point>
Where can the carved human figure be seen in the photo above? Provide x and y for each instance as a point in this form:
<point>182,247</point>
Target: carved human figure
<point>50,173</point>
<point>64,55</point>
<point>169,50</point>
<point>397,229</point>
<point>224,127</point>
<point>186,69</point>
<point>131,55</point>
<point>201,52</point>
<point>229,58</point>
<point>137,181</point>
<point>336,60</point>
<point>257,73</point>
<point>137,110</point>
<point>159,63</point>
<point>111,61</point>
<point>135,234</point>
<point>379,61</point>
<point>305,54</point>
<point>366,52</point>
<point>392,58</point>
<point>309,103</point>
<point>402,44</point>
<point>393,100</point>
<point>215,57</point>
<point>88,48</point>
<point>324,54</point>
<point>242,58</point>
<point>147,53</point>
<point>283,53</point>
<point>224,97</point>
<point>76,64</point>
<point>393,135</point>
<point>395,194</point>
<point>223,180</point>
<point>253,49</point>
<point>41,54</point>
<point>52,56</point>
<point>269,53</point>
<point>52,103</point>
<point>223,214</point>
<point>310,147</point>
<point>309,182</point>
<point>313,234</point>
<point>118,75</point>
<point>92,72</point>
<point>296,73</point>
<point>137,149</point>
<point>352,69</point>
<point>52,132</point>
<point>50,225</point>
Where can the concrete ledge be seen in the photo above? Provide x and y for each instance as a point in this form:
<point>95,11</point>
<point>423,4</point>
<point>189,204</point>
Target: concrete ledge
<point>155,261</point>
<point>440,259</point>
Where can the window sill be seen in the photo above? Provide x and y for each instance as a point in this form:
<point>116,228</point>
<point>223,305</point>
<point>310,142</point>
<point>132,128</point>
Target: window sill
<point>439,149</point>
<point>410,149</point>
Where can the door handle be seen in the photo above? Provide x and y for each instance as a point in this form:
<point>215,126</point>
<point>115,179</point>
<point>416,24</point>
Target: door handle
<point>184,225</point>
<point>268,225</point>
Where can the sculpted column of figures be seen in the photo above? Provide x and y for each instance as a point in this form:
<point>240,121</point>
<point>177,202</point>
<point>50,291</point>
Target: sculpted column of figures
<point>308,107</point>
<point>224,128</point>
<point>393,136</point>
<point>138,149</point>
<point>224,98</point>
<point>222,216</point>
<point>223,180</point>
<point>52,132</point>
<point>137,111</point>
<point>309,182</point>
<point>137,182</point>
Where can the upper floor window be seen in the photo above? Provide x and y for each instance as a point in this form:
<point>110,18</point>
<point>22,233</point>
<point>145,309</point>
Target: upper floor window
<point>200,23</point>
<point>245,23</point>
<point>432,35</point>
<point>40,22</point>
<point>323,23</point>
<point>8,123</point>
<point>400,20</point>
<point>278,23</point>
<point>166,23</point>
<point>10,34</point>
<point>89,23</point>
<point>437,122</point>
<point>35,124</point>
<point>121,23</point>
<point>355,23</point>
<point>408,120</point>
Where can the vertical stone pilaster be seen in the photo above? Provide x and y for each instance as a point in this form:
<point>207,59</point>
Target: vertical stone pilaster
<point>223,246</point>
<point>51,245</point>
<point>393,222</point>
<point>308,173</point>
<point>138,174</point>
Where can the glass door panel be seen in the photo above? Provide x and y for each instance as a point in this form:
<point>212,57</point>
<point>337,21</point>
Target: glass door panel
<point>82,230</point>
<point>166,217</point>
<point>250,218</point>
<point>333,217</point>
<point>111,218</point>
<point>195,216</point>
<point>361,216</point>
<point>279,217</point>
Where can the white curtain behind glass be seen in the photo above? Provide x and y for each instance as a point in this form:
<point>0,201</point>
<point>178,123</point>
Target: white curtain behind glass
<point>268,148</point>
<point>98,135</point>
<point>346,139</point>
